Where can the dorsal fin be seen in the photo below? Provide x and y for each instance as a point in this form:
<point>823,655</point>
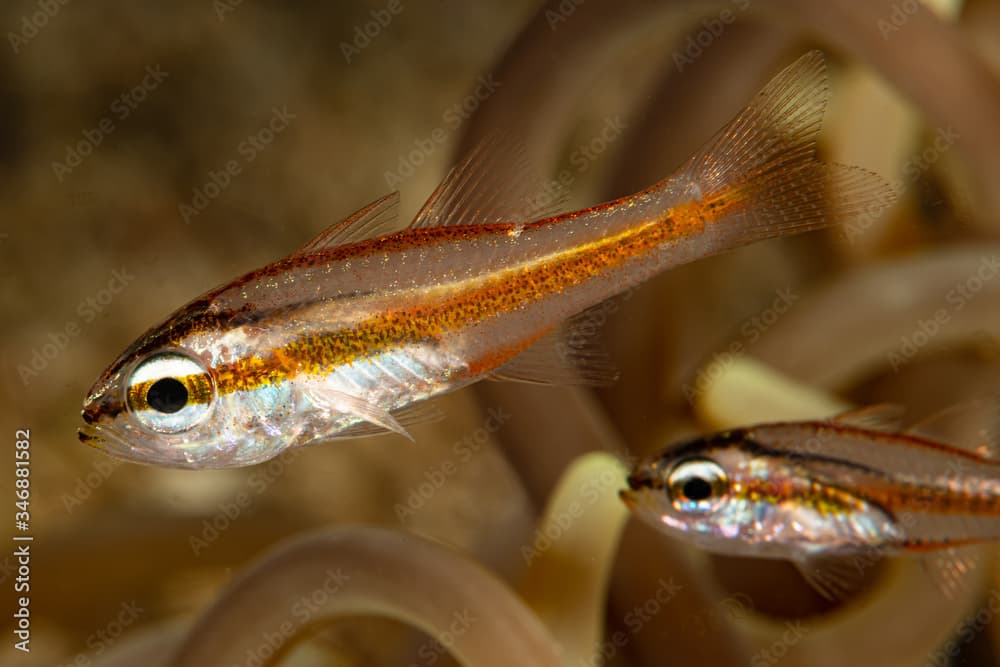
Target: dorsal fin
<point>377,219</point>
<point>881,417</point>
<point>972,426</point>
<point>472,192</point>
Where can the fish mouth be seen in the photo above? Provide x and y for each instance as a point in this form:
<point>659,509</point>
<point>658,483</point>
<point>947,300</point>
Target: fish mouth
<point>116,443</point>
<point>108,441</point>
<point>88,435</point>
<point>104,439</point>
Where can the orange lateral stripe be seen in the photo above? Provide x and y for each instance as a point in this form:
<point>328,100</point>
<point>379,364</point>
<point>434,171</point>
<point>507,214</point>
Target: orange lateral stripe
<point>505,291</point>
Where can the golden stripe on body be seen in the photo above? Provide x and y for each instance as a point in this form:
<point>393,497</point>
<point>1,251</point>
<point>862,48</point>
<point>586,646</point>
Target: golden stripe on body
<point>824,498</point>
<point>507,290</point>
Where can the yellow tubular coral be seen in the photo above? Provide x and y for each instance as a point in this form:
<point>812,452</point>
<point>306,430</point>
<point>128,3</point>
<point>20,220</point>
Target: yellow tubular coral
<point>357,570</point>
<point>573,553</point>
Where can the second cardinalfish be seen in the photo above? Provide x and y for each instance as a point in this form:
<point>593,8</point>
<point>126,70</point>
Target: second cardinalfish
<point>344,336</point>
<point>827,495</point>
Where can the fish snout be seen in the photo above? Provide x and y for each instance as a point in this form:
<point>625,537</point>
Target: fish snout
<point>102,405</point>
<point>642,477</point>
<point>91,412</point>
<point>635,481</point>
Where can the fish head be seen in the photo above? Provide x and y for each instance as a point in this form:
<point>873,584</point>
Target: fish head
<point>687,490</point>
<point>158,402</point>
<point>733,494</point>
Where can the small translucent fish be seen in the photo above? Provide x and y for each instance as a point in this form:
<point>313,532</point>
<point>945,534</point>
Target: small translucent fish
<point>346,336</point>
<point>827,495</point>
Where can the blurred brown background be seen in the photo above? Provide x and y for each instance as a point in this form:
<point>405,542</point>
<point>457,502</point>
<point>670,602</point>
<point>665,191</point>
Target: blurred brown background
<point>119,119</point>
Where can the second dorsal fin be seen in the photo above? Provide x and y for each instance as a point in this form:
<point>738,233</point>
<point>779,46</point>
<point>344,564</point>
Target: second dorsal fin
<point>972,426</point>
<point>484,187</point>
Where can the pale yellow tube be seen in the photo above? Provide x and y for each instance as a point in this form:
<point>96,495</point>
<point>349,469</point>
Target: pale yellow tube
<point>571,557</point>
<point>358,570</point>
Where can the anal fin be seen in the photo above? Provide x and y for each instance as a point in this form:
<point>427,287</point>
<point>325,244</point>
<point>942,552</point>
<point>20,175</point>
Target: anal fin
<point>951,569</point>
<point>570,355</point>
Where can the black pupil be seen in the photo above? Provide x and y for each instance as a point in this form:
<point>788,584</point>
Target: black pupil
<point>697,489</point>
<point>167,395</point>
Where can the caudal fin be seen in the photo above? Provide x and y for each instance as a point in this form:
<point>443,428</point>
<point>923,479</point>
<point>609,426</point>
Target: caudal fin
<point>759,177</point>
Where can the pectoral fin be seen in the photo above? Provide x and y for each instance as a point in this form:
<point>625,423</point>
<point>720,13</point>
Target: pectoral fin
<point>337,401</point>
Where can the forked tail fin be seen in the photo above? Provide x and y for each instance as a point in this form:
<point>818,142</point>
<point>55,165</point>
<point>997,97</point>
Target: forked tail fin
<point>759,177</point>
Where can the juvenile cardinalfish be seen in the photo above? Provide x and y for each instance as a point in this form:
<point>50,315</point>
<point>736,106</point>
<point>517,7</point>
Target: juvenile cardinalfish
<point>348,334</point>
<point>819,493</point>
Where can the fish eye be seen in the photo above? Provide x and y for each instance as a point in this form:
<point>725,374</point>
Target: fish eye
<point>696,485</point>
<point>167,395</point>
<point>170,392</point>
